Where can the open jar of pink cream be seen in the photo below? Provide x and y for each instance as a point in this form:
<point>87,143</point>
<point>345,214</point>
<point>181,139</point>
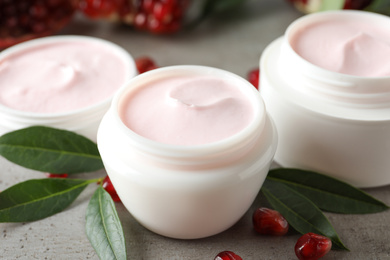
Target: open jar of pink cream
<point>187,149</point>
<point>326,84</point>
<point>65,82</point>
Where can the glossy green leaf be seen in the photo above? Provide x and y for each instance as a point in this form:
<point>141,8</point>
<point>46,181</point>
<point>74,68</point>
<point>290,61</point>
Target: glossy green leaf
<point>302,214</point>
<point>328,193</point>
<point>37,199</point>
<point>103,227</point>
<point>50,150</point>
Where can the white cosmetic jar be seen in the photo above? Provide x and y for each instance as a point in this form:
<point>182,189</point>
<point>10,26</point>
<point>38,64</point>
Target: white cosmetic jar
<point>329,122</point>
<point>194,191</point>
<point>84,121</point>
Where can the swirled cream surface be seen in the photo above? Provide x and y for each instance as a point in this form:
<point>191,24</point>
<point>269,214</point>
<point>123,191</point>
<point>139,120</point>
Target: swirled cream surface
<point>60,76</point>
<point>186,110</point>
<point>356,47</point>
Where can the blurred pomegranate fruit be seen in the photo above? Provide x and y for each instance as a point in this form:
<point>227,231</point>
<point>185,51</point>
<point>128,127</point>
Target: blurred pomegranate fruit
<point>23,20</point>
<point>156,16</point>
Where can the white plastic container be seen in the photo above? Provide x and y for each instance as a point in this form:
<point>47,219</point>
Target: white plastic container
<point>84,121</point>
<point>329,122</point>
<point>187,192</point>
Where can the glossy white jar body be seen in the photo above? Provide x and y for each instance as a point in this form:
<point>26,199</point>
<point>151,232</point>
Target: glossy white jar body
<point>328,122</point>
<point>187,192</point>
<point>83,121</point>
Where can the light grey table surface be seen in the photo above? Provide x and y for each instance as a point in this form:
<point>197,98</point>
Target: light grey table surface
<point>235,44</point>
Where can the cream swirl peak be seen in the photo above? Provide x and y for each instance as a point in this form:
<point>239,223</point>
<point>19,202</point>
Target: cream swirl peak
<point>187,110</point>
<point>354,47</point>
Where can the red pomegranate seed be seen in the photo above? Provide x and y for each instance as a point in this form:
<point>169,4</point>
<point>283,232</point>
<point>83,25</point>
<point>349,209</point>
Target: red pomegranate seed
<point>227,255</point>
<point>145,64</point>
<point>98,8</point>
<point>156,16</point>
<point>53,175</point>
<point>141,21</point>
<point>269,222</point>
<point>162,12</point>
<point>253,77</point>
<point>161,16</point>
<point>156,26</point>
<point>147,5</point>
<point>107,185</point>
<point>311,246</point>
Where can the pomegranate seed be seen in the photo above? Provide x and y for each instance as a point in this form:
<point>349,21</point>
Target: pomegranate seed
<point>156,26</point>
<point>311,246</point>
<point>98,8</point>
<point>145,64</point>
<point>147,5</point>
<point>162,12</point>
<point>162,16</point>
<point>269,222</point>
<point>156,16</point>
<point>53,175</point>
<point>227,255</point>
<point>253,77</point>
<point>107,185</point>
<point>141,21</point>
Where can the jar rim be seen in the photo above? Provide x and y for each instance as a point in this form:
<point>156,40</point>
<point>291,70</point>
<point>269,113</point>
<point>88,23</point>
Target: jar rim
<point>131,71</point>
<point>318,82</point>
<point>287,89</point>
<point>321,16</point>
<point>252,131</point>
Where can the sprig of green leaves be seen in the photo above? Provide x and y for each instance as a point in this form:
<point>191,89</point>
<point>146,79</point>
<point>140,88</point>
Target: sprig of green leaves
<point>297,194</point>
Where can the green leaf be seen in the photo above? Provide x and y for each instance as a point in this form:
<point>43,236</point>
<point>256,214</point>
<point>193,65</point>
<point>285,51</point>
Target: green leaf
<point>50,150</point>
<point>328,193</point>
<point>332,5</point>
<point>103,227</point>
<point>302,214</point>
<point>37,199</point>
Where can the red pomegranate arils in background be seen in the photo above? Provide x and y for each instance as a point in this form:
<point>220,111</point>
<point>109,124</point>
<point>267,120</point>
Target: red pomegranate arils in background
<point>156,16</point>
<point>23,20</point>
<point>96,9</point>
<point>160,16</point>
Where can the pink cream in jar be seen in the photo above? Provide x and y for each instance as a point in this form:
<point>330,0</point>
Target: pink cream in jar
<point>204,109</point>
<point>326,84</point>
<point>61,81</point>
<point>187,149</point>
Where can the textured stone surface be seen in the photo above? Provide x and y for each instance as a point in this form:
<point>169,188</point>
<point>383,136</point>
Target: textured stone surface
<point>235,44</point>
